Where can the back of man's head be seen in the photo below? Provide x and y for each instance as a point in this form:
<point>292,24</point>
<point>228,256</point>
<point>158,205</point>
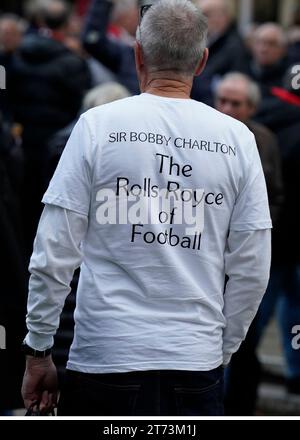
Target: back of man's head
<point>55,14</point>
<point>104,94</point>
<point>173,36</point>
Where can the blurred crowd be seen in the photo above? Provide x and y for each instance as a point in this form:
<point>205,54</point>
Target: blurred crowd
<point>61,60</point>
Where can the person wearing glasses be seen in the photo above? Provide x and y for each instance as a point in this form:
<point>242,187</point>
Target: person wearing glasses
<point>238,96</point>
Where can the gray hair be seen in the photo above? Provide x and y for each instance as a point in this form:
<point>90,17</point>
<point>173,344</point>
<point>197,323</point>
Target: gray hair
<point>103,94</point>
<point>281,34</point>
<point>253,90</point>
<point>173,36</point>
<point>122,6</point>
<point>21,24</point>
<point>35,7</point>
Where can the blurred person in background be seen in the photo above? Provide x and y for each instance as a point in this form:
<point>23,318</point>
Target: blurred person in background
<point>124,21</point>
<point>239,97</point>
<point>12,259</point>
<point>227,52</point>
<point>12,29</point>
<point>104,94</point>
<point>99,73</point>
<point>112,52</point>
<point>282,116</point>
<point>34,10</point>
<point>82,6</point>
<point>294,38</point>
<point>269,60</point>
<point>13,279</point>
<point>47,84</point>
<point>249,36</point>
<point>99,95</point>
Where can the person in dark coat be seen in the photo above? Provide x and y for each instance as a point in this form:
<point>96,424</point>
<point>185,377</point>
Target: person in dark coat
<point>12,29</point>
<point>117,56</point>
<point>270,59</point>
<point>13,278</point>
<point>46,86</point>
<point>280,112</point>
<point>294,38</point>
<point>238,96</point>
<point>227,52</point>
<point>282,115</point>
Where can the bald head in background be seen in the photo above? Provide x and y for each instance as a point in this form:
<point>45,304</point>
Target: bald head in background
<point>126,15</point>
<point>12,29</point>
<point>219,15</point>
<point>237,96</point>
<point>55,14</point>
<point>227,52</point>
<point>270,44</point>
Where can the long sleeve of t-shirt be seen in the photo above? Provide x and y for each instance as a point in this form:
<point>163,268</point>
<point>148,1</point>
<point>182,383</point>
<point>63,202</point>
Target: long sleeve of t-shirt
<point>57,254</point>
<point>247,264</point>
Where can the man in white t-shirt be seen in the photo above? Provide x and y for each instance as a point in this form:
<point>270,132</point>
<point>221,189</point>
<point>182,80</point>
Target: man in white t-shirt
<point>157,198</point>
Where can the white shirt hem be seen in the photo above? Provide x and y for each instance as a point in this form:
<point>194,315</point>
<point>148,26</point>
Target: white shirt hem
<point>144,366</point>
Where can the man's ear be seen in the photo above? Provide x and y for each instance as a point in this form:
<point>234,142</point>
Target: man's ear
<point>202,63</point>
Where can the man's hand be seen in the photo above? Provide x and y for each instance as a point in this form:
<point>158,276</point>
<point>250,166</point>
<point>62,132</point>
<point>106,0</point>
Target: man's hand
<point>40,383</point>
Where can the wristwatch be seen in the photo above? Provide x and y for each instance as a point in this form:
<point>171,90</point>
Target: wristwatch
<point>35,353</point>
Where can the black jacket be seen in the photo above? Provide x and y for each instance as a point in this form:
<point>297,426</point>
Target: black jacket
<point>5,107</point>
<point>283,118</point>
<point>226,54</point>
<point>115,55</point>
<point>268,76</point>
<point>47,84</point>
<point>13,280</point>
<point>270,156</point>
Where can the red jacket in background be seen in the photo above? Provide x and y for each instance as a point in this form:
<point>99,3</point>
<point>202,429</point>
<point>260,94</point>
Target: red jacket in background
<point>82,6</point>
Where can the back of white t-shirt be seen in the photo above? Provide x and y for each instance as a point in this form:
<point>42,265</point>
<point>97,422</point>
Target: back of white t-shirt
<point>150,294</point>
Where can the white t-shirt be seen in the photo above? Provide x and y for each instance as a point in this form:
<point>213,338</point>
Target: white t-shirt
<point>150,296</point>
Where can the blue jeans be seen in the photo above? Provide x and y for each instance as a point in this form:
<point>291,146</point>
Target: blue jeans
<point>143,393</point>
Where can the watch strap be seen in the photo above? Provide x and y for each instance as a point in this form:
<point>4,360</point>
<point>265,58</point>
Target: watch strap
<point>29,351</point>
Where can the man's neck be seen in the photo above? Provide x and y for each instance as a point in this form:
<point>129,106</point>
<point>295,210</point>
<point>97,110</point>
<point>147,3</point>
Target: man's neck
<point>171,88</point>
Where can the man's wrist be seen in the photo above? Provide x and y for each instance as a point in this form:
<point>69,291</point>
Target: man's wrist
<point>29,351</point>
